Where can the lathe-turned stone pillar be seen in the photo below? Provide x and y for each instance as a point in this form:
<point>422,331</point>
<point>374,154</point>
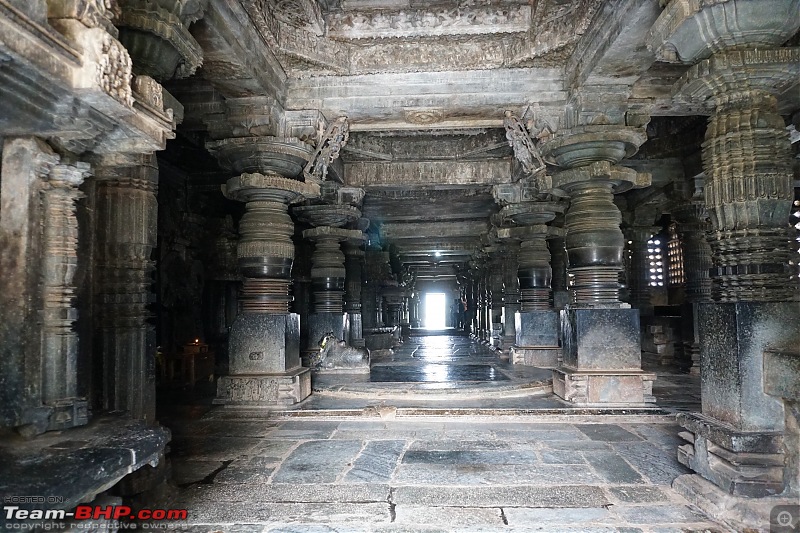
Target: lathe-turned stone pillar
<point>328,275</point>
<point>737,445</point>
<point>601,343</point>
<point>264,342</point>
<point>510,291</point>
<point>354,270</point>
<point>495,276</point>
<point>126,213</point>
<point>693,225</point>
<point>558,261</point>
<point>536,323</point>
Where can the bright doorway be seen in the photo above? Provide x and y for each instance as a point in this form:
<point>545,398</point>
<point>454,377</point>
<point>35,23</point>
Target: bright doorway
<point>435,310</point>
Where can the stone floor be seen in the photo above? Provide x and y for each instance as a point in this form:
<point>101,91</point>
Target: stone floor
<point>436,459</point>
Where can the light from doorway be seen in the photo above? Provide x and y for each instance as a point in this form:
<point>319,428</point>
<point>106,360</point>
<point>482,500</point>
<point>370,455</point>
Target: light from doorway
<point>435,310</point>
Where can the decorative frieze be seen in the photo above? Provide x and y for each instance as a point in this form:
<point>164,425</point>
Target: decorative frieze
<point>490,19</point>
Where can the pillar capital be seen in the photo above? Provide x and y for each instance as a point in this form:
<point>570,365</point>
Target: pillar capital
<point>156,34</point>
<point>688,31</point>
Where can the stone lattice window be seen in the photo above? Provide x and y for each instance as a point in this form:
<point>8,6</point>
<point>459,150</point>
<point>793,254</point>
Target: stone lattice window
<point>795,220</point>
<point>675,257</point>
<point>655,274</point>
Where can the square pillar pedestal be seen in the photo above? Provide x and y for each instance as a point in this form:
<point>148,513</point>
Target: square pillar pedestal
<point>738,442</point>
<point>536,343</point>
<point>602,359</point>
<point>265,368</point>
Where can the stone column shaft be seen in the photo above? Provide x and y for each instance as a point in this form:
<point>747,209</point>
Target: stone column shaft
<point>639,275</point>
<point>354,266</point>
<point>594,243</point>
<point>510,292</point>
<point>126,217</point>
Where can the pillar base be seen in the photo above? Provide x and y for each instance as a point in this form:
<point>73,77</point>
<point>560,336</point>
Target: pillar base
<point>539,356</point>
<point>607,388</point>
<point>264,344</point>
<point>739,463</point>
<point>264,390</point>
<point>604,339</point>
<point>740,513</point>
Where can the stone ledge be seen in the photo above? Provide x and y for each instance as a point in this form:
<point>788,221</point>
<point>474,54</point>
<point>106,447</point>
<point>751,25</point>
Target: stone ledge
<point>75,465</point>
<point>730,438</point>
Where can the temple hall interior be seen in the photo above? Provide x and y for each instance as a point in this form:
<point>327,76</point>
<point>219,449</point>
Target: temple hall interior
<point>400,265</point>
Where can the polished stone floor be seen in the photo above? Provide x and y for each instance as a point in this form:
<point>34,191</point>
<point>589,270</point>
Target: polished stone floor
<point>433,461</point>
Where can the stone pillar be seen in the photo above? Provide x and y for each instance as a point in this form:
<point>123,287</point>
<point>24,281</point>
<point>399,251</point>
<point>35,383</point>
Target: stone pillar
<point>737,444</point>
<point>328,276</point>
<point>126,214</point>
<point>496,289</point>
<point>693,225</point>
<point>558,261</point>
<point>264,345</point>
<point>38,259</point>
<point>59,338</point>
<point>354,267</point>
<point>414,312</point>
<point>510,291</point>
<point>600,335</point>
<point>536,323</point>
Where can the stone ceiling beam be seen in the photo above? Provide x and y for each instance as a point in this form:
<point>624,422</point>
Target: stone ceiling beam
<point>439,230</point>
<point>430,100</point>
<point>612,51</point>
<point>429,174</point>
<point>236,60</point>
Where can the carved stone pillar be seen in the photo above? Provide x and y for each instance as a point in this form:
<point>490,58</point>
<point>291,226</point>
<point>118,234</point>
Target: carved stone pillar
<point>558,261</point>
<point>510,291</point>
<point>328,275</point>
<point>354,267</point>
<point>38,258</point>
<point>125,233</point>
<point>264,345</point>
<point>59,338</point>
<point>536,323</point>
<point>495,275</point>
<point>693,226</point>
<point>600,335</point>
<point>737,444</point>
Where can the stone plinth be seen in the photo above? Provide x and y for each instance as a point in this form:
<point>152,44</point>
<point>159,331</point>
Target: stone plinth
<point>602,358</point>
<point>263,390</point>
<point>737,442</point>
<point>264,343</point>
<point>536,342</point>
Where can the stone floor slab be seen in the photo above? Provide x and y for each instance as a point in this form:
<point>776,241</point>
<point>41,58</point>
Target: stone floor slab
<point>562,496</point>
<point>613,468</point>
<point>449,516</point>
<point>607,433</point>
<point>377,462</point>
<point>525,516</point>
<point>319,461</point>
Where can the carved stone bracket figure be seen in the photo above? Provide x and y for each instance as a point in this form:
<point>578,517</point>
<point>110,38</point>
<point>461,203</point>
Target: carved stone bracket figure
<point>328,148</point>
<point>526,152</point>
